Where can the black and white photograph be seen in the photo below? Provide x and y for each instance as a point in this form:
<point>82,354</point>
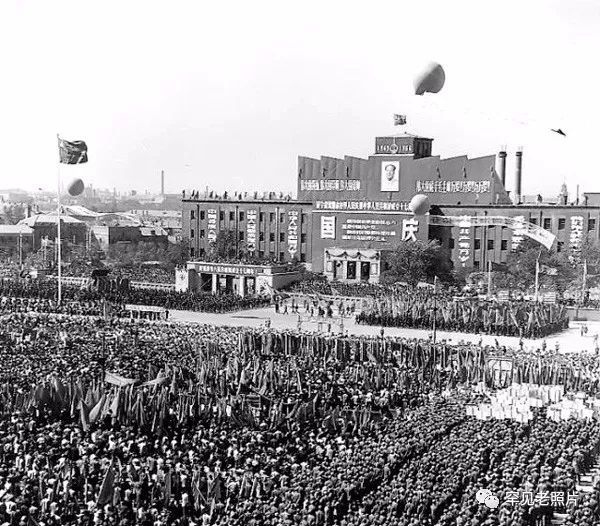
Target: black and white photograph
<point>327,263</point>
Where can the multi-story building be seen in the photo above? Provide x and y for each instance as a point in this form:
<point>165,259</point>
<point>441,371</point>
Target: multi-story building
<point>269,228</point>
<point>349,211</point>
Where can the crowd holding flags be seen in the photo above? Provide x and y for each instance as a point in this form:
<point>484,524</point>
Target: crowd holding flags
<point>422,310</point>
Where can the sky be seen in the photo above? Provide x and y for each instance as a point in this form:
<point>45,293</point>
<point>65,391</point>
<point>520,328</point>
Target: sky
<point>229,94</point>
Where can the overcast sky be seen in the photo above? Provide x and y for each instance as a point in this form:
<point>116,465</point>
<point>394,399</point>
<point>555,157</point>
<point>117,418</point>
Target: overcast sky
<point>228,94</point>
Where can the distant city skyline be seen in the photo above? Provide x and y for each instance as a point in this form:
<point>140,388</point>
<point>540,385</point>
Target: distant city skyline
<point>228,95</point>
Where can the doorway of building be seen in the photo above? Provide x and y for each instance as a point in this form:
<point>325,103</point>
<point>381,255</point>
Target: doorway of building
<point>351,270</point>
<point>365,271</point>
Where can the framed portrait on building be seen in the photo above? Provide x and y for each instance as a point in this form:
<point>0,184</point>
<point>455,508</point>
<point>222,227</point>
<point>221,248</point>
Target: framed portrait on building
<point>390,176</point>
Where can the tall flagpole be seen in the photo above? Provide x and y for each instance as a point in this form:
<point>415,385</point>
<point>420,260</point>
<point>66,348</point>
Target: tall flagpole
<point>537,277</point>
<point>58,230</point>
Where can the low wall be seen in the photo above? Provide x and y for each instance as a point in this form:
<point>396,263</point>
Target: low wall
<point>576,314</point>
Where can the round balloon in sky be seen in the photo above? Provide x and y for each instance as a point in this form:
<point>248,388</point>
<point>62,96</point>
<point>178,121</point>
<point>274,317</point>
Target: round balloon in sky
<point>75,187</point>
<point>431,80</point>
<point>419,205</point>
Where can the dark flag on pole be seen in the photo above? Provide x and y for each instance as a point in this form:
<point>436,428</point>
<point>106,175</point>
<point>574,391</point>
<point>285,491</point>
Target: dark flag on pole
<point>72,152</point>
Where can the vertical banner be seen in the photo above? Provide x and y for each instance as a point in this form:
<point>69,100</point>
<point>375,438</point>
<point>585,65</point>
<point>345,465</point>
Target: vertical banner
<point>292,232</point>
<point>251,231</point>
<point>576,238</point>
<point>327,227</point>
<point>464,240</point>
<point>518,232</point>
<point>212,225</point>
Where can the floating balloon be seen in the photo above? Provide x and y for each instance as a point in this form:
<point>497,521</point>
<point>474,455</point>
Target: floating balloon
<point>419,205</point>
<point>431,80</point>
<point>492,502</point>
<point>75,187</point>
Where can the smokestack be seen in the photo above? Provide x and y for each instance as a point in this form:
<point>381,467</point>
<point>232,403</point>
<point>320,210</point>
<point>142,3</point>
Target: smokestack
<point>162,182</point>
<point>502,156</point>
<point>518,174</point>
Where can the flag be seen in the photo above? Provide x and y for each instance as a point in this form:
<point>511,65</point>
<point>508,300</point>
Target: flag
<point>399,120</point>
<point>72,152</point>
<point>550,271</point>
<point>107,489</point>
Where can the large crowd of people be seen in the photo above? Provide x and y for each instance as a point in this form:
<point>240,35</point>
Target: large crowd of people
<point>110,421</point>
<point>421,309</point>
<point>167,299</point>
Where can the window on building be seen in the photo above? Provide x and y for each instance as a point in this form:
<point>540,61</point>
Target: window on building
<point>241,235</point>
<point>490,244</point>
<point>271,237</point>
<point>272,255</point>
<point>303,219</point>
<point>221,216</point>
<point>261,236</point>
<point>302,238</point>
<point>559,246</point>
<point>201,215</point>
<point>261,217</point>
<point>201,234</point>
<point>192,252</point>
<point>201,253</point>
<point>231,216</point>
<point>281,237</point>
<point>351,270</point>
<point>241,216</point>
<point>261,254</point>
<point>451,243</point>
<point>281,218</point>
<point>192,233</point>
<point>591,224</point>
<point>476,265</point>
<point>504,244</point>
<point>281,256</point>
<point>477,244</point>
<point>302,257</point>
<point>561,223</point>
<point>271,217</point>
<point>533,220</point>
<point>192,214</point>
<point>547,223</point>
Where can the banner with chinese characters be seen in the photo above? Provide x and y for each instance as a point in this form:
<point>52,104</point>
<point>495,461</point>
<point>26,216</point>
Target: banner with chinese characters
<point>292,232</point>
<point>410,227</point>
<point>251,231</point>
<point>330,185</point>
<point>576,237</point>
<point>464,240</point>
<point>453,187</point>
<point>378,206</point>
<point>518,224</point>
<point>212,225</point>
<point>327,227</point>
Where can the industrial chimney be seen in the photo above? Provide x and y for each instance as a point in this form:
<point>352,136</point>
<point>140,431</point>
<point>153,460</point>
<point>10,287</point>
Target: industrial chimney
<point>162,183</point>
<point>518,174</point>
<point>502,157</point>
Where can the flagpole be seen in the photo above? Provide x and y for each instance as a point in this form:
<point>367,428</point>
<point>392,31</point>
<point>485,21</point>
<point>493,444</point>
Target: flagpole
<point>537,278</point>
<point>489,279</point>
<point>584,282</point>
<point>58,231</point>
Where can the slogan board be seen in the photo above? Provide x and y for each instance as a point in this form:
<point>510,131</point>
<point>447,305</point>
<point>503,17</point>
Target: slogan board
<point>212,225</point>
<point>330,185</point>
<point>368,229</point>
<point>251,231</point>
<point>453,187</point>
<point>292,232</point>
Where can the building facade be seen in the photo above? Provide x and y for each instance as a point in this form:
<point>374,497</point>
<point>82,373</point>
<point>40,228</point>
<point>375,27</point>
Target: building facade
<point>349,211</point>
